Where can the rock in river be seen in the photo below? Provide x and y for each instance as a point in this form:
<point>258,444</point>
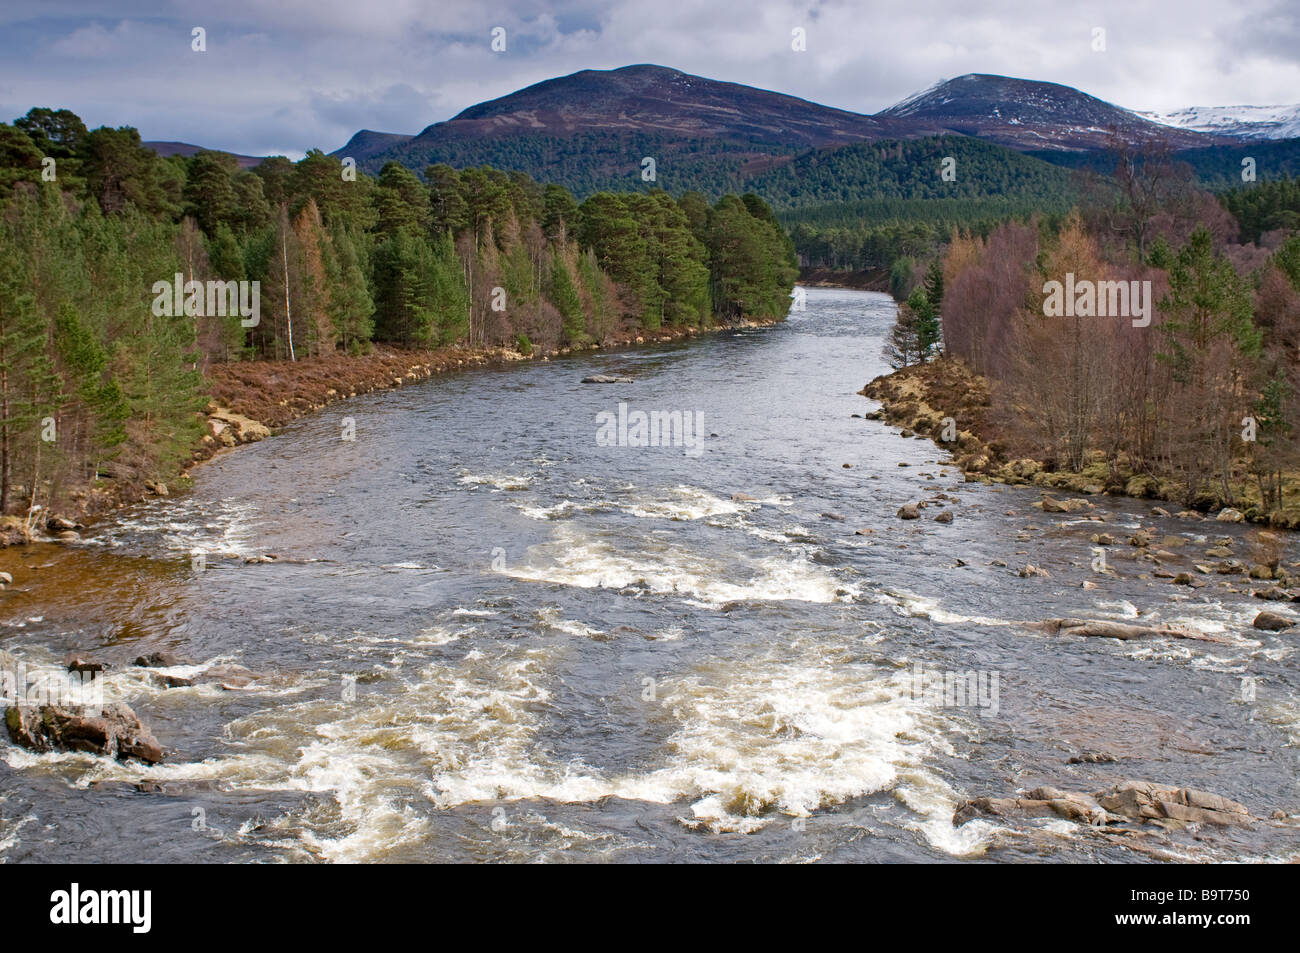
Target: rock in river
<point>115,731</point>
<point>1272,622</point>
<point>1164,805</point>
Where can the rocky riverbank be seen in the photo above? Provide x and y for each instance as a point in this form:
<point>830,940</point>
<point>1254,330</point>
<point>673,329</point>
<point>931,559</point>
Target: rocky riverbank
<point>250,399</point>
<point>947,403</point>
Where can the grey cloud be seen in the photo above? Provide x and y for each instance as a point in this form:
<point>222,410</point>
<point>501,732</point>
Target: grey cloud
<point>287,76</point>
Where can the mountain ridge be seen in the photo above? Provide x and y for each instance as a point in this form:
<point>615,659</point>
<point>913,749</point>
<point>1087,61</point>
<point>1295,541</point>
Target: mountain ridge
<point>591,130</point>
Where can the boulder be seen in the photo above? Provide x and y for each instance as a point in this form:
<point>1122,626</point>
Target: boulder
<point>1029,572</point>
<point>1275,594</point>
<point>1040,802</point>
<point>1229,515</point>
<point>238,427</point>
<point>1141,801</point>
<point>1272,622</point>
<point>944,517</point>
<point>114,732</point>
<point>909,511</point>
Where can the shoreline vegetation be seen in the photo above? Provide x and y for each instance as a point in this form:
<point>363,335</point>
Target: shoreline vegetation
<point>1146,343</point>
<point>158,309</point>
<point>927,401</point>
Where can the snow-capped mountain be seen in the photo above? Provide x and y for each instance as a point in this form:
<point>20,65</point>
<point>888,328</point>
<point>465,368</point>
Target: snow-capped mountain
<point>1243,122</point>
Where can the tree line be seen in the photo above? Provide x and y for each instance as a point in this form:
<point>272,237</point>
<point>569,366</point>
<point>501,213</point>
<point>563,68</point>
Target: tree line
<point>1203,403</point>
<point>95,376</point>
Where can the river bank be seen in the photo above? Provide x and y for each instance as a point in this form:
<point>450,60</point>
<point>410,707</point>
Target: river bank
<point>251,399</point>
<point>946,402</point>
<point>869,279</point>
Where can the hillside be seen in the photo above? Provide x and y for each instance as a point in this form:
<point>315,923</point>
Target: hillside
<point>910,169</point>
<point>1027,114</point>
<point>189,150</point>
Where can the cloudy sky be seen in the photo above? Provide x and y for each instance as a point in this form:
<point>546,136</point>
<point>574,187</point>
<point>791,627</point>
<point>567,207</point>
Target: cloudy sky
<point>281,76</point>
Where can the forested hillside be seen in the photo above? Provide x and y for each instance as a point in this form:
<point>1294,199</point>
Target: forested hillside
<point>102,364</point>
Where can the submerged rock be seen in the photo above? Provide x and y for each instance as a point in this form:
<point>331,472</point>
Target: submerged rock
<point>76,662</point>
<point>160,659</point>
<point>1108,629</point>
<point>115,731</point>
<point>1092,757</point>
<point>606,379</point>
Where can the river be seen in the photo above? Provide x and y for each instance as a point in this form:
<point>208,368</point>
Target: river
<point>488,637</point>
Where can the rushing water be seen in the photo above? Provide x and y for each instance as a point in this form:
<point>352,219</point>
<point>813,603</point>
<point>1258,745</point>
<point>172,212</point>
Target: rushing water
<point>487,637</point>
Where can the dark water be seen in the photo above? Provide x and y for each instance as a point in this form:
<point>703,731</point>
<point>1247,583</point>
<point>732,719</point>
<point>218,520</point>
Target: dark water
<point>486,637</point>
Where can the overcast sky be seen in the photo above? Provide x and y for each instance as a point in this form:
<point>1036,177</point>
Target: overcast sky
<point>281,76</point>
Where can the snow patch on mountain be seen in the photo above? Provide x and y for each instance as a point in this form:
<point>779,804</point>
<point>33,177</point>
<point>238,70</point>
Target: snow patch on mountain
<point>1246,122</point>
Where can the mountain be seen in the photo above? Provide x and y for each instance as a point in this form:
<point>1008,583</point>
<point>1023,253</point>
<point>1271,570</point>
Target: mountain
<point>593,129</point>
<point>367,144</point>
<point>1028,114</point>
<point>1241,122</point>
<point>186,149</point>
<point>658,99</point>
